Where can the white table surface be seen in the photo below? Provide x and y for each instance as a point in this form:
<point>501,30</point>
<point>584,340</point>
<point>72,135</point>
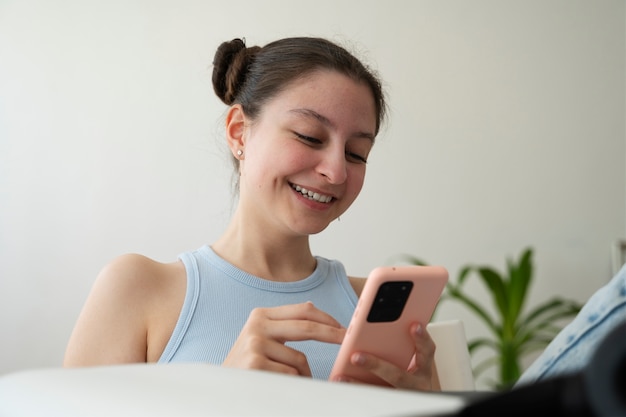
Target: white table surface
<point>198,389</point>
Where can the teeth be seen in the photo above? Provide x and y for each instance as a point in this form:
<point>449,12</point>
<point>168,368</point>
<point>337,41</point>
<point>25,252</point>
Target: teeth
<point>311,195</point>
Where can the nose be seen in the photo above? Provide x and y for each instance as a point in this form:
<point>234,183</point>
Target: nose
<point>333,165</point>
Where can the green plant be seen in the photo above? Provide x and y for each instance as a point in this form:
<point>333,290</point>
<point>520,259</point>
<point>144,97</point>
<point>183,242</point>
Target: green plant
<point>514,332</point>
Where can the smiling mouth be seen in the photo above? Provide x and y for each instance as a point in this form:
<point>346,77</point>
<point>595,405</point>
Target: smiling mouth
<point>320,198</point>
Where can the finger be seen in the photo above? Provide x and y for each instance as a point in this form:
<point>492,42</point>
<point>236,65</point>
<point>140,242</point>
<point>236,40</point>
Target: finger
<point>435,383</point>
<point>297,322</point>
<point>288,360</point>
<point>269,355</point>
<point>390,373</point>
<point>302,311</point>
<point>298,330</point>
<point>424,348</point>
<point>345,378</point>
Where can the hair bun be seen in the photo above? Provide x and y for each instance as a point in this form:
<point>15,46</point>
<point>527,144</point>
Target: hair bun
<point>230,66</point>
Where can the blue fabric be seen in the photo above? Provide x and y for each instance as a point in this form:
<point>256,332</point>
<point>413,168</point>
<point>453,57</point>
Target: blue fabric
<point>220,297</point>
<point>574,346</point>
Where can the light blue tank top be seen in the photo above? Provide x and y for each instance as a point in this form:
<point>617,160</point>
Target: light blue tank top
<point>220,296</point>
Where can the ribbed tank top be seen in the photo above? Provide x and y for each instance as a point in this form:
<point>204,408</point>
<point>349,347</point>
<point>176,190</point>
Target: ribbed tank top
<point>220,297</point>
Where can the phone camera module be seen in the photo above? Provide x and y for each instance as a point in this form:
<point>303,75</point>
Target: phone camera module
<point>390,300</point>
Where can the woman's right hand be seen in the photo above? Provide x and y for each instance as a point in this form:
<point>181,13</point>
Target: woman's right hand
<point>261,343</point>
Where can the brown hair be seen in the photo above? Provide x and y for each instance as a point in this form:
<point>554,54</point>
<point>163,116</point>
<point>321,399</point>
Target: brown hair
<point>252,76</point>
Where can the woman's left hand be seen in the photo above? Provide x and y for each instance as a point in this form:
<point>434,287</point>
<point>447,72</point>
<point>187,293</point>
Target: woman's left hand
<point>420,375</point>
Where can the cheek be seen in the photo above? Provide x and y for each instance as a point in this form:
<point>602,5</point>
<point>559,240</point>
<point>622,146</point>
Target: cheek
<point>357,179</point>
<point>264,165</point>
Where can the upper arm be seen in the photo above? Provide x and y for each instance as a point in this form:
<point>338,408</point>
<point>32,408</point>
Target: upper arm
<point>112,326</point>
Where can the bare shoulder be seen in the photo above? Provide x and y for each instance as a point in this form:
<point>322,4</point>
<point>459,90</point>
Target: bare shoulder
<point>139,279</point>
<point>133,272</point>
<point>130,312</point>
<point>357,284</point>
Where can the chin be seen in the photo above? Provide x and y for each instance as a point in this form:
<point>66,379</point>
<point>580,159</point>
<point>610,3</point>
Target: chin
<point>312,229</point>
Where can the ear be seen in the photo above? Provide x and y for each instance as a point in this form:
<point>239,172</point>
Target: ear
<point>235,128</point>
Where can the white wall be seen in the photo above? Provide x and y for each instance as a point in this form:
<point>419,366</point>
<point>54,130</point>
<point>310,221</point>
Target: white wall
<point>507,129</point>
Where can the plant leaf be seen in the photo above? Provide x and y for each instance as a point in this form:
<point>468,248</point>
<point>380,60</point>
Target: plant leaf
<point>530,331</point>
<point>456,293</point>
<point>496,285</point>
<point>520,279</point>
<point>541,325</point>
<point>535,345</point>
<point>539,313</point>
<point>484,365</point>
<point>463,274</point>
<point>474,344</point>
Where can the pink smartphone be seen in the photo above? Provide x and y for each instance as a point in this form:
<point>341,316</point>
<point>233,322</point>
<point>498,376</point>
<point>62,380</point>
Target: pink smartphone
<point>393,298</point>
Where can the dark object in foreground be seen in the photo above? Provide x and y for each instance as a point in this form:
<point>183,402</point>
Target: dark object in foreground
<point>599,390</point>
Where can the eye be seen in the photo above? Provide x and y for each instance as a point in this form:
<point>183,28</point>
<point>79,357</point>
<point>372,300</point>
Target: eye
<point>308,139</point>
<point>356,158</point>
<point>351,155</point>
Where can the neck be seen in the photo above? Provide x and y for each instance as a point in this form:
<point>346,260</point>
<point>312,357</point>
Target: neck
<point>271,256</point>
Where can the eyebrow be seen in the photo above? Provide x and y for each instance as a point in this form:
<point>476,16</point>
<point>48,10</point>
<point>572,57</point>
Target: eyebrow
<point>326,121</point>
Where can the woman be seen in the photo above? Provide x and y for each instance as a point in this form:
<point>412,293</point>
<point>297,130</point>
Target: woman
<point>302,119</point>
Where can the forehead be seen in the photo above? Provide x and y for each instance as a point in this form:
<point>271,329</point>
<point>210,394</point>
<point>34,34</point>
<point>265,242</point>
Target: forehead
<point>331,94</point>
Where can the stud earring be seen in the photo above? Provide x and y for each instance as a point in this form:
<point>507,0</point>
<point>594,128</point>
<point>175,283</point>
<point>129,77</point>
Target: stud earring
<point>239,153</point>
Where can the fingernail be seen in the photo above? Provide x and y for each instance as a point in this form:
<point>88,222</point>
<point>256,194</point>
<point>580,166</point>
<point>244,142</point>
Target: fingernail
<point>358,359</point>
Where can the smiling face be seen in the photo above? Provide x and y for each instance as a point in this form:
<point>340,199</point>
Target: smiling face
<point>305,155</point>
